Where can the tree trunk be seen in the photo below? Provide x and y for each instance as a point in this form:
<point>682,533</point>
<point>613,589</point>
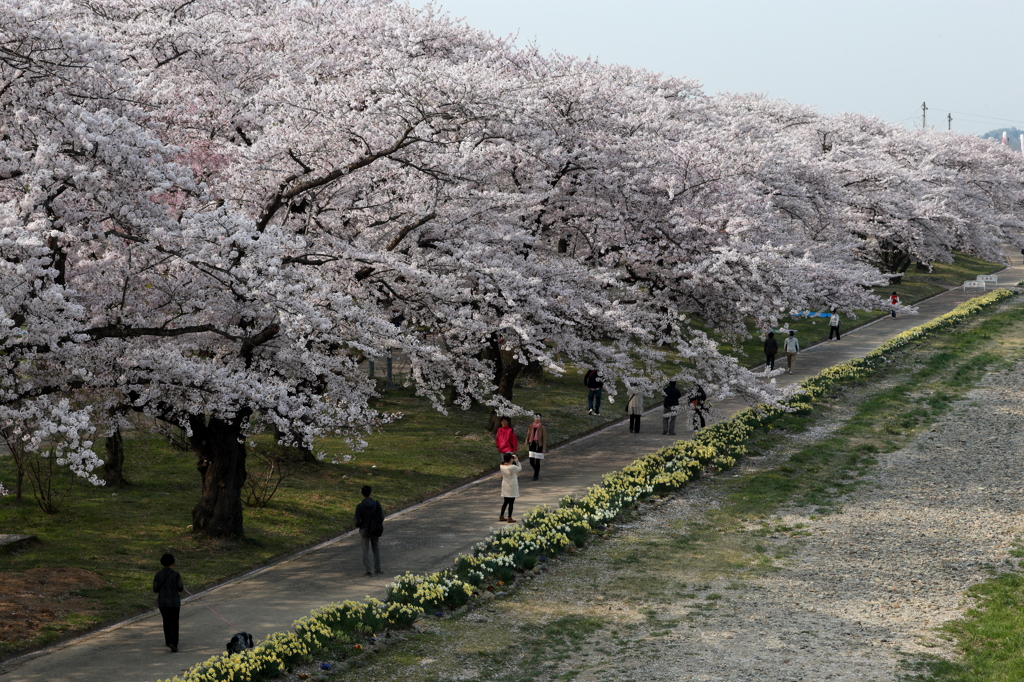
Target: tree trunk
<point>113,463</point>
<point>220,449</point>
<point>507,369</point>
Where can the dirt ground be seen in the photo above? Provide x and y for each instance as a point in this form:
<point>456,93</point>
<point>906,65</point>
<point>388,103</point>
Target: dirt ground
<point>42,597</point>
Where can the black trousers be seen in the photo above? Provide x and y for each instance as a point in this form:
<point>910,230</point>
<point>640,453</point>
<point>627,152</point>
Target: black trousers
<point>833,330</point>
<point>509,502</point>
<point>770,361</point>
<point>170,616</point>
<point>634,423</point>
<point>535,463</point>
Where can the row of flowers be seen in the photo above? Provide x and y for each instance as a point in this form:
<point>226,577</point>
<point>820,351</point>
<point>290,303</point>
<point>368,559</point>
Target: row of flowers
<point>546,531</point>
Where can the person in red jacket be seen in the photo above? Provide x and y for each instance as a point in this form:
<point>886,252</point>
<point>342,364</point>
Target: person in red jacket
<point>506,439</point>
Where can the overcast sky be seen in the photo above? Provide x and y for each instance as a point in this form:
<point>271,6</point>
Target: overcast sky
<point>872,57</point>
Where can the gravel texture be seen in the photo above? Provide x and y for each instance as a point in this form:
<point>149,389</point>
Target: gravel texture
<point>867,586</point>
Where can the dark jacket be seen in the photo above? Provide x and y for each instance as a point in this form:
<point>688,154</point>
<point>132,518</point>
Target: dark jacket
<point>771,346</point>
<point>672,396</point>
<point>367,510</point>
<point>167,584</point>
<point>592,379</point>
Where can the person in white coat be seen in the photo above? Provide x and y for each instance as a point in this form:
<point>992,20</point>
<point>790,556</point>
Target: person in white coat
<point>833,326</point>
<point>635,408</point>
<point>510,469</point>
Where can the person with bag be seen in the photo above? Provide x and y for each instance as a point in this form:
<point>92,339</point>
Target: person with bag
<point>833,325</point>
<point>771,349</point>
<point>792,347</point>
<point>697,399</point>
<point>894,301</point>
<point>369,519</point>
<point>671,409</point>
<point>505,439</point>
<point>168,586</point>
<point>509,469</point>
<point>537,441</point>
<point>635,408</point>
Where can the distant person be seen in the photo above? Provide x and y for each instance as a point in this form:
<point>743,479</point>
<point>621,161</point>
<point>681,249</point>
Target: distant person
<point>671,409</point>
<point>370,522</point>
<point>771,349</point>
<point>894,301</point>
<point>833,325</point>
<point>168,586</point>
<point>505,438</point>
<point>792,347</point>
<point>697,398</point>
<point>510,469</point>
<point>537,441</point>
<point>592,380</point>
<point>635,408</point>
<point>1022,252</point>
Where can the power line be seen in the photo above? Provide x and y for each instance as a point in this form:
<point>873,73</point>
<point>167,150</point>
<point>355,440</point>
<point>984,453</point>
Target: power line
<point>964,113</point>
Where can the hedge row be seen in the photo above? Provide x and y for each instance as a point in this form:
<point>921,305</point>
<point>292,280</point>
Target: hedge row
<point>547,531</point>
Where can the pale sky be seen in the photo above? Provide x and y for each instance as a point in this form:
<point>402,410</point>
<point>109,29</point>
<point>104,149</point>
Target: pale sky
<point>869,56</point>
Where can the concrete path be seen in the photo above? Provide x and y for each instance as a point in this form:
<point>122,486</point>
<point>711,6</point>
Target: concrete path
<point>423,538</point>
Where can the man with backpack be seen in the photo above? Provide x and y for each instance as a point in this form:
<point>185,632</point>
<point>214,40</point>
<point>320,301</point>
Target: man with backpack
<point>370,522</point>
<point>671,409</point>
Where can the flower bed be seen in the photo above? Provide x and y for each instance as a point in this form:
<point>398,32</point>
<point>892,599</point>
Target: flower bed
<point>546,531</point>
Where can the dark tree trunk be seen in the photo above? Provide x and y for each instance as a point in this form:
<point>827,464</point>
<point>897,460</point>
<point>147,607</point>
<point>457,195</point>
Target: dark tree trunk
<point>507,369</point>
<point>923,267</point>
<point>113,463</point>
<point>220,450</point>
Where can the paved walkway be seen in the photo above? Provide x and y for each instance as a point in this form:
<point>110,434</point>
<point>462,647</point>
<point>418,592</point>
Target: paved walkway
<point>423,538</point>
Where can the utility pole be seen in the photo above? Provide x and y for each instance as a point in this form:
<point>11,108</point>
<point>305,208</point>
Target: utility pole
<point>924,120</point>
<point>949,121</point>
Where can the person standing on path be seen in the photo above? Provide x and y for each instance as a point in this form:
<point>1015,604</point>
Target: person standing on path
<point>771,349</point>
<point>592,380</point>
<point>833,325</point>
<point>168,586</point>
<point>792,347</point>
<point>505,438</point>
<point>697,399</point>
<point>537,441</point>
<point>510,469</point>
<point>635,408</point>
<point>370,522</point>
<point>894,301</point>
<point>671,408</point>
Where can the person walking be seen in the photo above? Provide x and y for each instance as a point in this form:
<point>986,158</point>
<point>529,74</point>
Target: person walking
<point>510,469</point>
<point>894,301</point>
<point>168,586</point>
<point>370,522</point>
<point>771,349</point>
<point>833,325</point>
<point>670,407</point>
<point>697,399</point>
<point>505,438</point>
<point>635,408</point>
<point>592,380</point>
<point>537,442</point>
<point>792,347</point>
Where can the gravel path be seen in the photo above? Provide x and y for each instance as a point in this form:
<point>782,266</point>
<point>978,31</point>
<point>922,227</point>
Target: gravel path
<point>867,585</point>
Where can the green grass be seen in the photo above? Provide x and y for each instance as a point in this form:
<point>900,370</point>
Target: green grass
<point>121,533</point>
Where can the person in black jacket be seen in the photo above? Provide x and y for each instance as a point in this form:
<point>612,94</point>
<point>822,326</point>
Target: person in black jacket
<point>592,380</point>
<point>370,522</point>
<point>671,405</point>
<point>771,349</point>
<point>168,586</point>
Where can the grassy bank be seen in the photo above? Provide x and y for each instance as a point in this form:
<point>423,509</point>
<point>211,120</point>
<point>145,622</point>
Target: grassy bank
<point>120,533</point>
<point>633,597</point>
